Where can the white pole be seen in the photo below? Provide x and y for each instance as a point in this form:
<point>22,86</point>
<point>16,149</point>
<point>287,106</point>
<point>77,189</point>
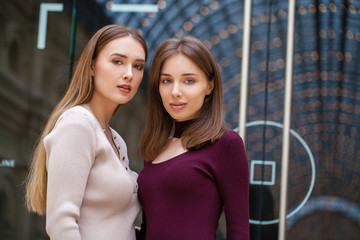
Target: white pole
<point>287,118</point>
<point>245,62</point>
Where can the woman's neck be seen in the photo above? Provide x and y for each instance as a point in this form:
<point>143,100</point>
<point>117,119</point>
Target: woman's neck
<point>102,117</point>
<point>180,127</point>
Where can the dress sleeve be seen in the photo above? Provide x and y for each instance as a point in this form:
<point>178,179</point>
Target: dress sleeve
<point>70,150</point>
<point>232,176</point>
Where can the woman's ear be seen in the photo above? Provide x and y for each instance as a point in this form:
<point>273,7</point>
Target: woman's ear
<point>210,87</point>
<point>92,69</point>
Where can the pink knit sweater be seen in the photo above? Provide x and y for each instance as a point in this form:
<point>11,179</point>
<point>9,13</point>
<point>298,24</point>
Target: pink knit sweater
<point>91,194</point>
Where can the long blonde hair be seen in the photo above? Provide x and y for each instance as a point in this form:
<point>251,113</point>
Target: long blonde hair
<point>80,91</point>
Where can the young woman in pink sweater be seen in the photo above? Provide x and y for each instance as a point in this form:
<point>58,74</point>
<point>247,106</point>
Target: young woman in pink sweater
<point>80,176</point>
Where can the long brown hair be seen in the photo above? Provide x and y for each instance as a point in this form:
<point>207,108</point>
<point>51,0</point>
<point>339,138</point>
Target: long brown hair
<point>208,127</point>
<point>80,91</point>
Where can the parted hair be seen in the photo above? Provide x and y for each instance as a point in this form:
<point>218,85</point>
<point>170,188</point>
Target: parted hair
<point>159,124</point>
<point>80,91</point>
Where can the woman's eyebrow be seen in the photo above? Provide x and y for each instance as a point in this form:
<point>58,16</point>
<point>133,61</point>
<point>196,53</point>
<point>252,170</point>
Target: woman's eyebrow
<point>185,74</point>
<point>124,56</point>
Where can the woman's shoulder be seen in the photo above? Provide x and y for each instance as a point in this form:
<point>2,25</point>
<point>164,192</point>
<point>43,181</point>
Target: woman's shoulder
<point>74,123</point>
<point>76,111</point>
<point>228,140</point>
<point>231,147</point>
<point>78,116</point>
<point>230,136</point>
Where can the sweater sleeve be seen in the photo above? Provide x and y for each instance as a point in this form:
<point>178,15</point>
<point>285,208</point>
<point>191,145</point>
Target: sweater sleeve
<point>70,150</point>
<point>232,177</point>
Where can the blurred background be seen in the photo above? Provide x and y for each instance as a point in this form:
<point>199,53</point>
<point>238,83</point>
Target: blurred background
<point>38,46</point>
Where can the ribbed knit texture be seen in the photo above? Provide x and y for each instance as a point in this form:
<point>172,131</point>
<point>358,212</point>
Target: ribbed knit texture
<point>184,196</point>
<point>91,194</point>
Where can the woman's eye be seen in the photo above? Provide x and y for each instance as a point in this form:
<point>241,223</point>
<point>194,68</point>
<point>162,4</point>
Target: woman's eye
<point>165,81</point>
<point>189,81</point>
<point>139,67</point>
<point>117,61</point>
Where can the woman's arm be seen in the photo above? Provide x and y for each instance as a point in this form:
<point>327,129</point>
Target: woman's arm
<point>233,181</point>
<point>70,149</point>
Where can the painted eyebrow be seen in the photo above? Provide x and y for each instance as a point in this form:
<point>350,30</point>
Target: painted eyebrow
<point>124,56</point>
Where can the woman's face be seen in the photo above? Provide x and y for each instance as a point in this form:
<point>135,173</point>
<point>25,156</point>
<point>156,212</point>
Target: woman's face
<point>183,87</point>
<point>118,70</point>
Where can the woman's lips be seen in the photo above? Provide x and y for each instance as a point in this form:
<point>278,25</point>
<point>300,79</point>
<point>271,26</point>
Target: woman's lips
<point>124,88</point>
<point>177,105</point>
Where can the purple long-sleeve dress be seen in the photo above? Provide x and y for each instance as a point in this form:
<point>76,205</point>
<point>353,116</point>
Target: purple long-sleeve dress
<point>184,196</point>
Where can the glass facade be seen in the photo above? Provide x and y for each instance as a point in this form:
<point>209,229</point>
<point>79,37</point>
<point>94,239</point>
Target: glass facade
<point>40,40</point>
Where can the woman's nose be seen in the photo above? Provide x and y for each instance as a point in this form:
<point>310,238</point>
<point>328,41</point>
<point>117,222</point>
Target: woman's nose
<point>176,91</point>
<point>128,73</point>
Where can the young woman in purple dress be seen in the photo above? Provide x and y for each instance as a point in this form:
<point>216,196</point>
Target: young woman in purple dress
<point>194,167</point>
